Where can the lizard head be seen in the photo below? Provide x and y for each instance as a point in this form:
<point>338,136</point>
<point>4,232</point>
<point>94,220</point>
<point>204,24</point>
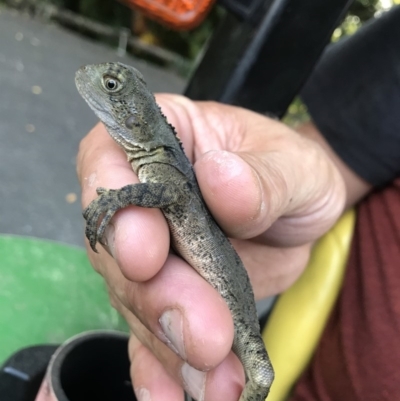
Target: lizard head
<point>118,95</point>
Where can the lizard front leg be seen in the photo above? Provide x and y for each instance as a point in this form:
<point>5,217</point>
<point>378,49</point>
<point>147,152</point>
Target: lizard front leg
<point>100,211</point>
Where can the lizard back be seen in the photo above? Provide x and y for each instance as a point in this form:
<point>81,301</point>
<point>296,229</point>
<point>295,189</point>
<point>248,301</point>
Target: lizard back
<point>119,96</point>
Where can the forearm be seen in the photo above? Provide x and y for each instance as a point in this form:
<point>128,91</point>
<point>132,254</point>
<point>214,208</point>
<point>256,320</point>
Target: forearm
<point>353,97</point>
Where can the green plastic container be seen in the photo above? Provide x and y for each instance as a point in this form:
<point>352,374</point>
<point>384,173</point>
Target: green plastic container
<point>48,293</point>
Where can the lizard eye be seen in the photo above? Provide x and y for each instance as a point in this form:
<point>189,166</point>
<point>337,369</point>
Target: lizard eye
<point>111,84</point>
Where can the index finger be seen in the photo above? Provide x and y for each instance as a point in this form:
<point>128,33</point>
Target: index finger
<point>138,238</point>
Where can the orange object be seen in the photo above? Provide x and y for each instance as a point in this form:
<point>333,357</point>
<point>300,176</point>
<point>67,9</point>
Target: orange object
<point>177,14</point>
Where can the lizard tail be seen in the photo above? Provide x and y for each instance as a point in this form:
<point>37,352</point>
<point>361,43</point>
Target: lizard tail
<point>257,367</point>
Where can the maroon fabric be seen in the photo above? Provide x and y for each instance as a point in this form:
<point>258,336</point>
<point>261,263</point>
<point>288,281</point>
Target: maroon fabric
<point>358,358</point>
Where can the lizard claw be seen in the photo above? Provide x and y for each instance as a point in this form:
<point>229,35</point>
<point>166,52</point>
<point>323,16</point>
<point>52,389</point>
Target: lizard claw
<point>92,241</point>
<point>98,214</point>
<point>101,190</point>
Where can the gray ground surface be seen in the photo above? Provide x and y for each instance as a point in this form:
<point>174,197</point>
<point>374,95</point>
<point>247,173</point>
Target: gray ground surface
<point>40,133</point>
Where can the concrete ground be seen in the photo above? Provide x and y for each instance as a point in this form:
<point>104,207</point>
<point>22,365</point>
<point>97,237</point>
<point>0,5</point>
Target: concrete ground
<point>42,119</point>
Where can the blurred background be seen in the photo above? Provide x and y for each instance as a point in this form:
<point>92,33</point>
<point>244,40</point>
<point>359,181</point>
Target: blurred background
<point>42,117</point>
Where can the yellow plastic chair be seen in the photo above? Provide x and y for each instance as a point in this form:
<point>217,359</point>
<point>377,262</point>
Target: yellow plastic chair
<point>301,313</point>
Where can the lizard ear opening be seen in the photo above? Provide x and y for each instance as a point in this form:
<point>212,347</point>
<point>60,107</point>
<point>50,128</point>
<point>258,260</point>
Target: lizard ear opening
<point>131,121</point>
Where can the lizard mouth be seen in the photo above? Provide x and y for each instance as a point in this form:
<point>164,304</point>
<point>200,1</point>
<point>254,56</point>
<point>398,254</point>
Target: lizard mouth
<point>84,85</point>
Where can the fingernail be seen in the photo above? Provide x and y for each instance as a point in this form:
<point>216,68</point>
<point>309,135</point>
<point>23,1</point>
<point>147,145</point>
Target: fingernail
<point>142,394</point>
<point>109,236</point>
<point>171,323</point>
<point>194,381</point>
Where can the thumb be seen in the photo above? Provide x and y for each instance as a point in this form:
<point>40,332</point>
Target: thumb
<point>287,195</point>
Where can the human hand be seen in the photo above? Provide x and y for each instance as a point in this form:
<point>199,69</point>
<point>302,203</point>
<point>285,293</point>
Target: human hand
<point>269,188</point>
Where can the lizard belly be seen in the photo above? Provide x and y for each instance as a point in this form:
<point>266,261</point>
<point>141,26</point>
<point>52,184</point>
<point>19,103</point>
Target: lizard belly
<point>201,242</point>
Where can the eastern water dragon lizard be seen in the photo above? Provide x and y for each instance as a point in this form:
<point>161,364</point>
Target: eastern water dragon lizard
<point>119,96</point>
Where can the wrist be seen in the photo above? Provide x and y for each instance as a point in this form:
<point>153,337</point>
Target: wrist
<point>356,188</point>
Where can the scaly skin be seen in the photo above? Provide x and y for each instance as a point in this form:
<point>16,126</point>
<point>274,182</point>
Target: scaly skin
<point>120,98</point>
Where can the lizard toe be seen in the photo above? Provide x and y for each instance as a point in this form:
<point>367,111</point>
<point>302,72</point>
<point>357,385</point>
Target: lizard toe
<point>93,242</point>
<point>86,212</point>
<point>101,190</point>
<point>91,210</point>
<point>91,232</point>
<point>103,225</point>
